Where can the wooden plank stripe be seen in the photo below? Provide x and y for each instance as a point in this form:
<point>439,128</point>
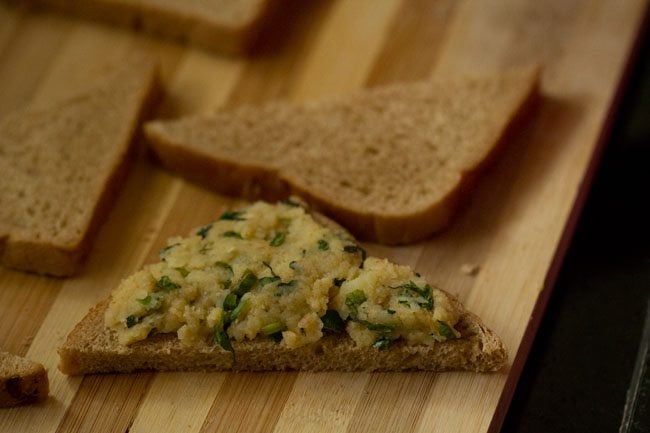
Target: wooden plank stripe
<point>413,41</point>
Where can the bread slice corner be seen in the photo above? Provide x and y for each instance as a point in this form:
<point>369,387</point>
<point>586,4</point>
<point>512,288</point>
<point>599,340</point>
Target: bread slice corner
<point>64,163</point>
<point>21,381</point>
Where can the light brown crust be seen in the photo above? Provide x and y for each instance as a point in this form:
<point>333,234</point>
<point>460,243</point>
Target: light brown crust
<point>24,385</point>
<point>93,348</point>
<point>228,38</point>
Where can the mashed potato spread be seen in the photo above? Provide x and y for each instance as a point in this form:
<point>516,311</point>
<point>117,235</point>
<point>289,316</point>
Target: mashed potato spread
<point>271,271</point>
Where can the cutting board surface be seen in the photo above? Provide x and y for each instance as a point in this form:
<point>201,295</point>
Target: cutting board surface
<point>513,229</point>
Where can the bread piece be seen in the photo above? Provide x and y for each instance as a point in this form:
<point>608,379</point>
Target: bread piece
<point>21,381</point>
<point>187,290</point>
<point>390,164</point>
<point>62,165</point>
<point>227,26</point>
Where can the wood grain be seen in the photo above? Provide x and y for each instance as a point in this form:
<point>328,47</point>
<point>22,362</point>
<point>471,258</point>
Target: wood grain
<point>510,228</point>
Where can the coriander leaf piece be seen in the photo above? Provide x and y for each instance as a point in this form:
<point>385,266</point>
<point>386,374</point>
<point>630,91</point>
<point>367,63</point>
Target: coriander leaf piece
<point>266,264</point>
<point>131,321</point>
<point>289,202</point>
<point>221,338</point>
<point>354,249</point>
<point>203,231</point>
<point>166,284</point>
<point>273,328</point>
<point>232,216</point>
<point>232,234</point>
<point>268,280</point>
<point>323,245</point>
<point>183,271</point>
<point>230,302</point>
<point>389,311</point>
<point>246,283</point>
<point>405,303</point>
<point>294,265</point>
<point>339,281</point>
<point>355,298</point>
<point>332,321</point>
<point>239,310</point>
<point>277,337</point>
<point>277,240</point>
<point>224,265</point>
<point>163,251</point>
<point>291,283</point>
<point>446,330</point>
<point>426,292</point>
<point>382,343</point>
<point>378,327</point>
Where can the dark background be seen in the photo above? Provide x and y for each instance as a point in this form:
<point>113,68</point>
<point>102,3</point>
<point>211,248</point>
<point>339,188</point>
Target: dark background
<point>583,358</point>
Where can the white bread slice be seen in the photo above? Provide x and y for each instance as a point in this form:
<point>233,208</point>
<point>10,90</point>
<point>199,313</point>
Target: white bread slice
<point>226,26</point>
<point>21,381</point>
<point>92,348</point>
<point>62,165</point>
<point>390,164</point>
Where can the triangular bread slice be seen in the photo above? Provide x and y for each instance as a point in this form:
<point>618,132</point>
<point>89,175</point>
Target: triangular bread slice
<point>97,344</point>
<point>62,165</point>
<point>21,381</point>
<point>227,26</point>
<point>390,164</point>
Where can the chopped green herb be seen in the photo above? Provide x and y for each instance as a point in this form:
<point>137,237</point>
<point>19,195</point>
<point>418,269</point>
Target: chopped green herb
<point>289,202</point>
<point>206,247</point>
<point>272,328</point>
<point>151,301</point>
<point>293,265</point>
<point>323,245</point>
<point>354,249</point>
<point>131,321</point>
<point>339,281</point>
<point>269,280</point>
<point>227,284</point>
<point>232,216</point>
<point>355,298</point>
<point>239,310</point>
<point>145,301</point>
<point>246,283</point>
<point>405,303</point>
<point>425,292</point>
<point>379,327</point>
<point>152,332</point>
<point>166,284</point>
<point>231,234</point>
<point>445,330</point>
<point>277,337</point>
<point>291,283</point>
<point>382,343</point>
<point>163,251</point>
<point>389,311</point>
<point>266,264</point>
<point>183,271</point>
<point>221,338</point>
<point>203,231</point>
<point>224,265</point>
<point>332,321</point>
<point>230,302</point>
<point>417,274</point>
<point>277,240</point>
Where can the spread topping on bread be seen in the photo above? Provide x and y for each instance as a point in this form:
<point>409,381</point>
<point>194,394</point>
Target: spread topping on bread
<point>272,271</point>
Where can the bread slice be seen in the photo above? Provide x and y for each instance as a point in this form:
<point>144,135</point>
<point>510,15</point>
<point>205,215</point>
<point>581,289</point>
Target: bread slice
<point>21,381</point>
<point>62,165</point>
<point>226,26</point>
<point>92,348</point>
<point>188,289</point>
<point>390,164</point>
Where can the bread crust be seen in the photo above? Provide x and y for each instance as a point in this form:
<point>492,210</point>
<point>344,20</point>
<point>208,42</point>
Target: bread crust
<point>93,348</point>
<point>25,385</point>
<point>233,38</point>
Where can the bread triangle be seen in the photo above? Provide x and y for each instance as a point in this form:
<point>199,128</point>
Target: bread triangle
<point>62,164</point>
<point>21,381</point>
<point>227,26</point>
<point>390,164</point>
<point>95,347</point>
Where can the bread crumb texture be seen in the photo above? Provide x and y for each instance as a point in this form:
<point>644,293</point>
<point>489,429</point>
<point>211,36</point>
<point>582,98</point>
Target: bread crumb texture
<point>60,164</point>
<point>21,381</point>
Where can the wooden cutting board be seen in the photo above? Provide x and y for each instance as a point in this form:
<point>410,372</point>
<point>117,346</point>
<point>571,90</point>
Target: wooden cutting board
<point>515,228</point>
